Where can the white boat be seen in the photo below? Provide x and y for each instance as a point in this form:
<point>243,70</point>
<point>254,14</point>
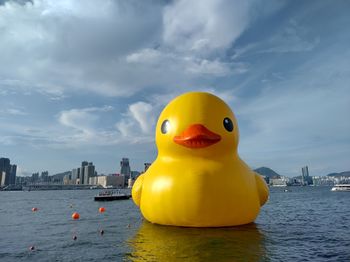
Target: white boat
<point>111,195</point>
<point>341,187</point>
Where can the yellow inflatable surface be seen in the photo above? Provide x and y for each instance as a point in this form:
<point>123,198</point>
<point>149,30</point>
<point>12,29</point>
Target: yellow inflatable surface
<point>172,244</point>
<point>198,179</point>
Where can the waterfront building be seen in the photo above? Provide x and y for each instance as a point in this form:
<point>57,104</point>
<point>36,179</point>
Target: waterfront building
<point>35,177</point>
<point>2,178</point>
<point>130,182</point>
<point>305,178</point>
<point>125,168</point>
<point>108,181</point>
<point>10,171</point>
<point>67,180</point>
<point>283,181</point>
<point>93,180</point>
<point>82,172</point>
<point>5,167</point>
<point>75,174</point>
<point>13,171</point>
<point>89,171</point>
<point>323,181</point>
<point>44,177</point>
<point>134,174</point>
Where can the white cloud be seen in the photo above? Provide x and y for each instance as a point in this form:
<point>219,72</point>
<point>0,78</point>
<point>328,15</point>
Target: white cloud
<point>143,114</point>
<point>184,66</point>
<point>291,38</point>
<point>12,111</point>
<point>116,48</point>
<point>84,123</point>
<point>137,124</point>
<point>67,46</point>
<point>204,26</point>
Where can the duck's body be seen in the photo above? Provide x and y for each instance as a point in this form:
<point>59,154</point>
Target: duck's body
<point>199,185</point>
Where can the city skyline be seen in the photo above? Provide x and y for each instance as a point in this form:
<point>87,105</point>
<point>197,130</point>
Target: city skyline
<point>88,80</point>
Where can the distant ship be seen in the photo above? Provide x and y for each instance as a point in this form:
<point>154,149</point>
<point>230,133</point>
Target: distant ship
<point>341,187</point>
<point>110,195</point>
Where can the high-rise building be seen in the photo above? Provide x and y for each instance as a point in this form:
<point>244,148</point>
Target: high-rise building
<point>134,174</point>
<point>44,176</point>
<point>89,171</point>
<point>75,174</point>
<point>5,167</point>
<point>13,171</point>
<point>2,178</point>
<point>10,172</point>
<point>125,168</point>
<point>305,178</point>
<point>35,177</point>
<point>82,172</point>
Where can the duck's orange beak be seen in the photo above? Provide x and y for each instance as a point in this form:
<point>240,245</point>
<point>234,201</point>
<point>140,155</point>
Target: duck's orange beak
<point>197,136</point>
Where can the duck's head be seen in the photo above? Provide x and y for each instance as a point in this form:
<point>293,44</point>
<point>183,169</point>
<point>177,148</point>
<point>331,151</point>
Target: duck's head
<point>199,124</point>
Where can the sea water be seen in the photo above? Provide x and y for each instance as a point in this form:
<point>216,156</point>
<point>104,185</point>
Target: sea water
<point>301,224</point>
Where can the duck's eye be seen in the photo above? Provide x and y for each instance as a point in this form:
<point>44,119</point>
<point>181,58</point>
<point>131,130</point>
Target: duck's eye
<point>165,126</point>
<point>228,124</point>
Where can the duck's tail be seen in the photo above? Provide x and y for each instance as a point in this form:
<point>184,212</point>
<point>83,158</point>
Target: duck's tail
<point>137,190</point>
<point>263,190</point>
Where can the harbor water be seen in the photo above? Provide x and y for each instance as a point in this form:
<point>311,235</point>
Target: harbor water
<point>301,224</point>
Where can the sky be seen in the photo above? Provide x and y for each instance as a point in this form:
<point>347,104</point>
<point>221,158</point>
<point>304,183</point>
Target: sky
<point>86,80</point>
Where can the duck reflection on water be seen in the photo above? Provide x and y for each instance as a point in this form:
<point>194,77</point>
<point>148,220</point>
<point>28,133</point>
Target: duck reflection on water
<point>168,243</point>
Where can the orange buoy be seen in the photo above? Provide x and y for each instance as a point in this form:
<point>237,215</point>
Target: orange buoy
<point>101,209</point>
<point>75,215</point>
<point>34,209</point>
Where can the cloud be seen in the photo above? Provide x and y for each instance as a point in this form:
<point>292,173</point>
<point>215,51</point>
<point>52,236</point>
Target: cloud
<point>293,38</point>
<point>137,124</point>
<point>81,119</point>
<point>116,48</point>
<point>204,26</point>
<point>142,112</point>
<point>12,111</point>
<point>84,124</point>
<point>66,46</point>
<point>179,66</point>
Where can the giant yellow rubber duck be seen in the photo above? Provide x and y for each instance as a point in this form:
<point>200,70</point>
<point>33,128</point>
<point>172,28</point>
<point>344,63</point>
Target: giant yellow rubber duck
<point>198,179</point>
<point>172,244</point>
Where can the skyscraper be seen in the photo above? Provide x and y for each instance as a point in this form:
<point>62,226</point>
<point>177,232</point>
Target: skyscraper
<point>89,171</point>
<point>82,172</point>
<point>75,174</point>
<point>7,171</point>
<point>44,176</point>
<point>5,167</point>
<point>125,168</point>
<point>305,179</point>
<point>2,178</point>
<point>13,171</point>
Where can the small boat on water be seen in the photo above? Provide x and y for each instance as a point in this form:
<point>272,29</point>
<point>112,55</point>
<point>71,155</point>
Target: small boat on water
<point>341,187</point>
<point>111,195</point>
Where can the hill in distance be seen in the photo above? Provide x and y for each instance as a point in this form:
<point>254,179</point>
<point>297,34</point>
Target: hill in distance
<point>346,173</point>
<point>268,172</point>
<point>60,176</point>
